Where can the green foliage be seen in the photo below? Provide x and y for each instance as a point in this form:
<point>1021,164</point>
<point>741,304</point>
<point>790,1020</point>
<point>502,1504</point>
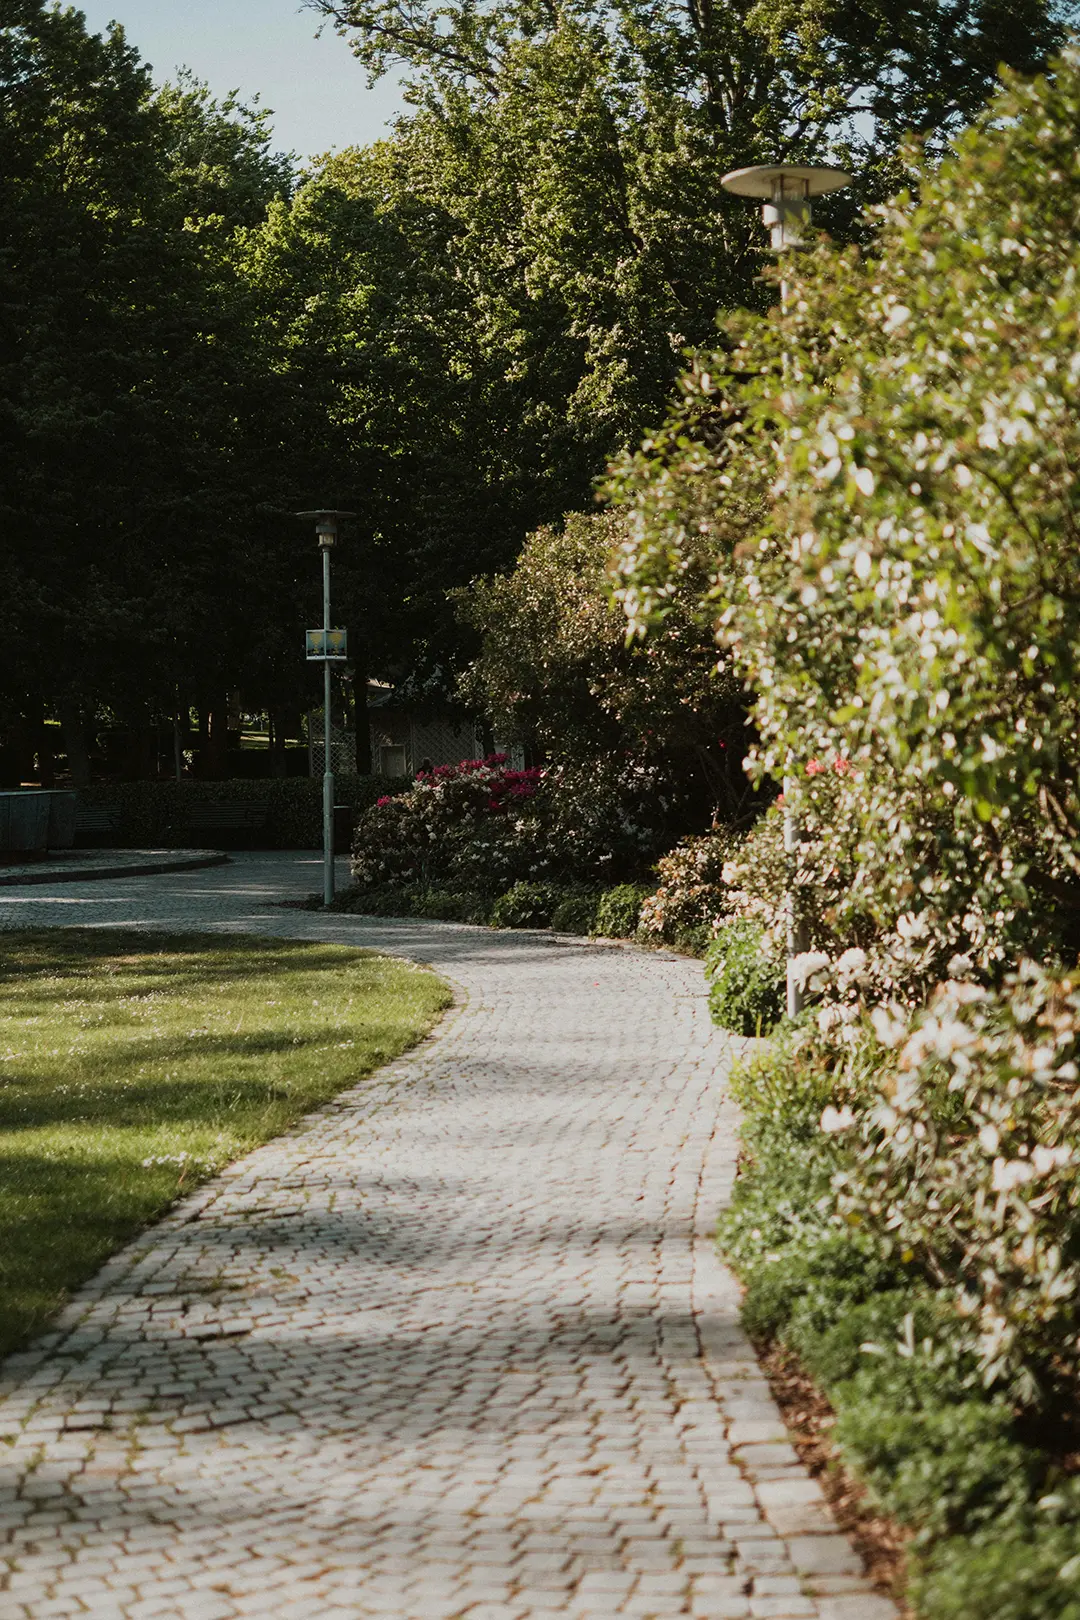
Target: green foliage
<point>555,671</point>
<point>504,289</point>
<point>134,436</point>
<point>526,905</point>
<point>445,905</point>
<point>746,979</point>
<point>964,1164</point>
<point>881,480</point>
<point>1027,1573</point>
<point>160,814</point>
<point>997,1530</point>
<point>576,913</point>
<point>619,909</point>
<point>180,1054</point>
<point>946,1467</point>
<point>574,159</point>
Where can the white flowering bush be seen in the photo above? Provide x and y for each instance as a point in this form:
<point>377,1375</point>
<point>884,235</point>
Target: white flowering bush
<point>882,480</point>
<point>963,1164</point>
<point>691,895</point>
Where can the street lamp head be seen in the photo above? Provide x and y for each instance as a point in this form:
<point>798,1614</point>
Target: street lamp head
<point>787,190</point>
<point>326,525</point>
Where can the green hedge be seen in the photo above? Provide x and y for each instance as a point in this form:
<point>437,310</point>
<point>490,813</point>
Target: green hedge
<point>990,1500</point>
<point>158,814</point>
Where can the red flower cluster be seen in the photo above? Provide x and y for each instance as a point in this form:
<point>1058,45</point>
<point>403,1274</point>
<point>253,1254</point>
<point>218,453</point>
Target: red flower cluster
<point>815,767</point>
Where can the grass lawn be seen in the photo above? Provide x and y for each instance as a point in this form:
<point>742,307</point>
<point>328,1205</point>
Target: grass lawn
<point>133,1065</point>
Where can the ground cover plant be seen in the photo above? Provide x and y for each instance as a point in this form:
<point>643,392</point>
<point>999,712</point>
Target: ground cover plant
<point>906,1222</point>
<point>133,1065</point>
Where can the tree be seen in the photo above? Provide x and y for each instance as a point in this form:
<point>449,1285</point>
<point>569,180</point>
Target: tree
<point>548,237</point>
<point>555,672</point>
<point>125,374</point>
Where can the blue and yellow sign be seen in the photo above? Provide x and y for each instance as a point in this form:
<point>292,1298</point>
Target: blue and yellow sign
<point>326,644</point>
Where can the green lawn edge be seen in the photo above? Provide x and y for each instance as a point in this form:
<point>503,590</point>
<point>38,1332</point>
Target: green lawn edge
<point>134,1066</point>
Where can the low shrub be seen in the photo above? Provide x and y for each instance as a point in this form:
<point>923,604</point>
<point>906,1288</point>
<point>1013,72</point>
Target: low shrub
<point>618,910</point>
<point>448,905</point>
<point>691,896</point>
<point>746,978</point>
<point>526,905</point>
<point>576,913</point>
<point>1024,1572</point>
<point>458,827</point>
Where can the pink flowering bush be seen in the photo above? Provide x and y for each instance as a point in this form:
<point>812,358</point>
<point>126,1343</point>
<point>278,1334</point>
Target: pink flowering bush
<point>456,823</point>
<point>480,827</point>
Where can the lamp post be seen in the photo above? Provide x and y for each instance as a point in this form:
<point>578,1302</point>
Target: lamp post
<point>327,646</point>
<point>788,190</point>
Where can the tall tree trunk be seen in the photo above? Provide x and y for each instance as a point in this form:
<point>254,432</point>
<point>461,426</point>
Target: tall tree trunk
<point>217,762</point>
<point>361,723</point>
<point>73,726</point>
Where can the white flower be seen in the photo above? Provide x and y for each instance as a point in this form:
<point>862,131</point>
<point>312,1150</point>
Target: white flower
<point>837,1119</point>
<point>989,1138</point>
<point>889,1024</point>
<point>806,967</point>
<point>911,927</point>
<point>1010,1173</point>
<point>1046,1159</point>
<point>851,964</point>
<point>864,480</point>
<point>828,1018</point>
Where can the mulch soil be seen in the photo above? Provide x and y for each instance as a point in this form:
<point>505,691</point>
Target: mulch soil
<point>809,1418</point>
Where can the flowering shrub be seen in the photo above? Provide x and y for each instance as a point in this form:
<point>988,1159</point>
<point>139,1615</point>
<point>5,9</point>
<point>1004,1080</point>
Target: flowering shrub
<point>458,823</point>
<point>964,1164</point>
<point>692,895</point>
<point>881,481</point>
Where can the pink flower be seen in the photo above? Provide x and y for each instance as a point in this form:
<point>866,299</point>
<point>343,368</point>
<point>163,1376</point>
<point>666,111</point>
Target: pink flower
<point>387,799</point>
<point>841,765</point>
<point>814,767</point>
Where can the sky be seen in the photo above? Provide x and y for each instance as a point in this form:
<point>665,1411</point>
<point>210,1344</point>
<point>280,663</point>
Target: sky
<point>316,88</point>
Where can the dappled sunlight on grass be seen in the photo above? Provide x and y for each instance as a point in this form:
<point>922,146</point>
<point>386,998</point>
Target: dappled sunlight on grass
<point>133,1065</point>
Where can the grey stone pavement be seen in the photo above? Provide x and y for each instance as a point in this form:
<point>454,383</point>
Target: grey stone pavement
<point>458,1345</point>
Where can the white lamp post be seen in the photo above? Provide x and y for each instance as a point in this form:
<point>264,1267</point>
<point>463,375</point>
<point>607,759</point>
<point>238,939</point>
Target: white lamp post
<point>327,646</point>
<point>788,190</point>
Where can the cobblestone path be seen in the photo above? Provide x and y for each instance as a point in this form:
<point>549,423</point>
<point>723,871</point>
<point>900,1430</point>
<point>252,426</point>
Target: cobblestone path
<point>457,1346</point>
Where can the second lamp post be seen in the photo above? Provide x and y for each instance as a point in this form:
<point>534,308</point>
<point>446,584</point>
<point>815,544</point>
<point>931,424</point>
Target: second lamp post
<point>787,190</point>
<point>327,646</point>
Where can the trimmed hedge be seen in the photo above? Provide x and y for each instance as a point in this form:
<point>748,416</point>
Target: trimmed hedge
<point>158,814</point>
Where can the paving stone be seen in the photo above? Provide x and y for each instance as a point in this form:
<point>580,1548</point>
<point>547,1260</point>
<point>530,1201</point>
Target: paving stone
<point>824,1555</point>
<point>482,1358</point>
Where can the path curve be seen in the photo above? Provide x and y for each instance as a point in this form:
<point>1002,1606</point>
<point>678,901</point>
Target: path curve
<point>474,1356</point>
